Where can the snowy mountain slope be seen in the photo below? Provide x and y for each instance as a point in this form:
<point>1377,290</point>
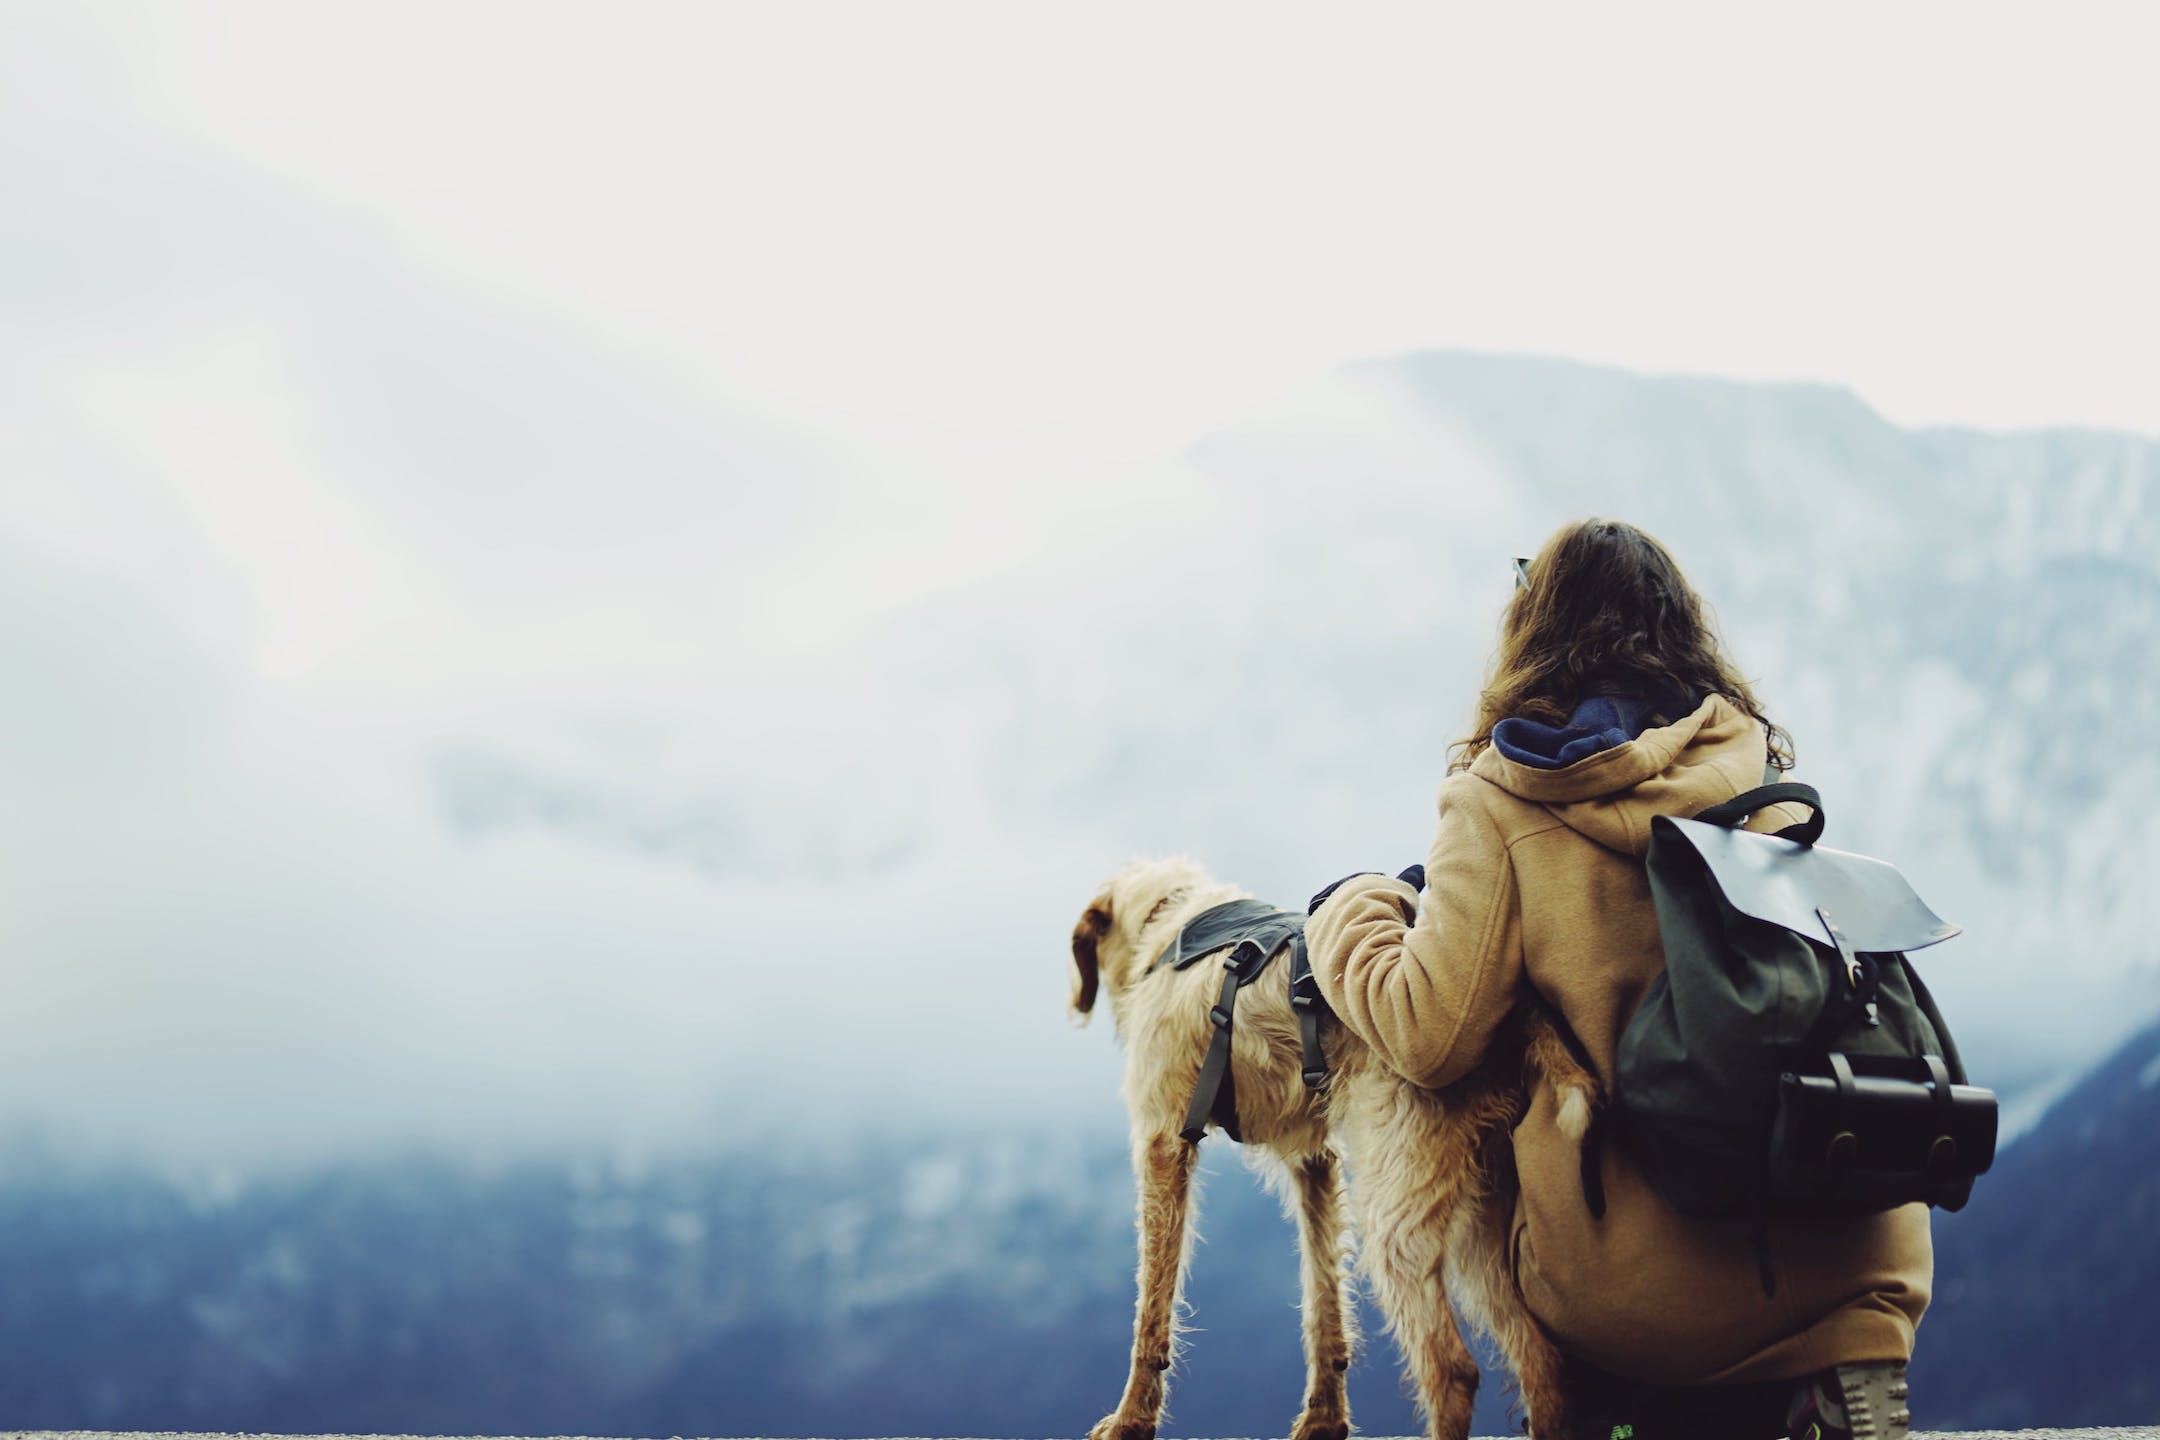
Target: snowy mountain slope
<point>907,784</point>
<point>859,1285</point>
<point>2044,1300</point>
<point>1260,655</point>
<point>947,1285</point>
<point>1961,630</point>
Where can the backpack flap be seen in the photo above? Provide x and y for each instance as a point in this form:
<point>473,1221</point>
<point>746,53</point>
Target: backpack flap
<point>1784,883</point>
<point>1785,967</point>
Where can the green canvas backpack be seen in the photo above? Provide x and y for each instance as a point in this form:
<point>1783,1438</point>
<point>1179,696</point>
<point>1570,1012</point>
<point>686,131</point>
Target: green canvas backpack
<point>1789,1062</point>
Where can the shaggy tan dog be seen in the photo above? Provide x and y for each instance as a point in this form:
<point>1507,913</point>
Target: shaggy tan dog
<point>1430,1175</point>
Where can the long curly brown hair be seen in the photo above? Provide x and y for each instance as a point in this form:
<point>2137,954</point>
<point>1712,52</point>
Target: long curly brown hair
<point>1606,611</point>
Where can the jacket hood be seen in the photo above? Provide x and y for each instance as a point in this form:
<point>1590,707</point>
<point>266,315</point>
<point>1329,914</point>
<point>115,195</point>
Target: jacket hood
<point>1599,723</point>
<point>1707,756</point>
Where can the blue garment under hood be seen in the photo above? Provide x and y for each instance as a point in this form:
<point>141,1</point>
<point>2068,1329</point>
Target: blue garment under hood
<point>1600,723</point>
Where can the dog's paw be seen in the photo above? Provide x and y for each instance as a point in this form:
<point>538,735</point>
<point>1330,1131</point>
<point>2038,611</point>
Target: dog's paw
<point>1321,1425</point>
<point>1115,1426</point>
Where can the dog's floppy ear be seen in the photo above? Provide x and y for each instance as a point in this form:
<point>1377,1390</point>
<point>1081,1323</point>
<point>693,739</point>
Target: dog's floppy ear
<point>1094,924</point>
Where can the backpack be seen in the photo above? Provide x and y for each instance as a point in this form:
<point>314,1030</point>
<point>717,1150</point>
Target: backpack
<point>1789,1062</point>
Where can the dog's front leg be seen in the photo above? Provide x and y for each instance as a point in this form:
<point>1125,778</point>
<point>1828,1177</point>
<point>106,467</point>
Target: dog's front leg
<point>1163,1169</point>
<point>1328,1334</point>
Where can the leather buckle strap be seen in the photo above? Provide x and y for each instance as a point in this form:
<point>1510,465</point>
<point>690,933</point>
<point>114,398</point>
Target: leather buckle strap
<point>1863,975</point>
<point>1942,1157</point>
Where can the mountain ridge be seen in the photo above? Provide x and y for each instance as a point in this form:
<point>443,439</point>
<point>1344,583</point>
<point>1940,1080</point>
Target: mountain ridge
<point>971,1284</point>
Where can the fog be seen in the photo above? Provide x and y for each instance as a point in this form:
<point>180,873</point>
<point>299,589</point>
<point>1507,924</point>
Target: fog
<point>433,723</point>
<point>465,692</point>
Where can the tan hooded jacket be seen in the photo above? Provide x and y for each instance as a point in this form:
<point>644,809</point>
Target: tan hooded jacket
<point>1536,879</point>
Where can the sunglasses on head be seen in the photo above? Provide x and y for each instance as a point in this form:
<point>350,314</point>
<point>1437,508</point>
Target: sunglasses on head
<point>1522,572</point>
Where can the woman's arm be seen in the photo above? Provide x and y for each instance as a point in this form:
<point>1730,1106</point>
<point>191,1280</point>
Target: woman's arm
<point>1426,983</point>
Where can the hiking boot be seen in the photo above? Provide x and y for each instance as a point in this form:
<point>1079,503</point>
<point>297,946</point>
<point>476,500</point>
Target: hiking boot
<point>1852,1402</point>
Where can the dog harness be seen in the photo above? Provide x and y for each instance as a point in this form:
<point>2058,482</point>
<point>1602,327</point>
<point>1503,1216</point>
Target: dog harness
<point>1254,932</point>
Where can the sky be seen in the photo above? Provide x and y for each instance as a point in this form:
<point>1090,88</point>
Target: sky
<point>503,507</point>
<point>1124,222</point>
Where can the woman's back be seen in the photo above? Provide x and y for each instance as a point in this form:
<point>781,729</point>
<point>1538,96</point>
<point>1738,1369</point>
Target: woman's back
<point>1610,702</point>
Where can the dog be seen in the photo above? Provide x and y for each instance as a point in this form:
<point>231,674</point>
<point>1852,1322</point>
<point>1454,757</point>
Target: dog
<point>1430,1175</point>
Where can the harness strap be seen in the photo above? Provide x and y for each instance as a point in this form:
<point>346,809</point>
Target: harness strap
<point>1214,1096</point>
<point>1255,933</point>
<point>1305,998</point>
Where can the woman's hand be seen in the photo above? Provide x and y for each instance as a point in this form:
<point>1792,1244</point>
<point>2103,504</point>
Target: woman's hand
<point>1329,889</point>
<point>1413,876</point>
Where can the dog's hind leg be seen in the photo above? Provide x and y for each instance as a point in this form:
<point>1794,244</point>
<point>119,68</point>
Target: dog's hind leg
<point>1163,1168</point>
<point>1409,1167</point>
<point>1328,1323</point>
<point>1481,1265</point>
<point>1530,1352</point>
<point>1483,1260</point>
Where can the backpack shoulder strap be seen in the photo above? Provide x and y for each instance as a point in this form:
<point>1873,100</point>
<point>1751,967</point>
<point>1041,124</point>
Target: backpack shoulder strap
<point>1747,802</point>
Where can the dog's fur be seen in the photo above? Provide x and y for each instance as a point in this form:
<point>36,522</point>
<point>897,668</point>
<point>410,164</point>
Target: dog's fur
<point>1430,1177</point>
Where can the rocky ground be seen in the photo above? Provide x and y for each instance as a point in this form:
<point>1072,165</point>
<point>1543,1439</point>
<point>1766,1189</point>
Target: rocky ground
<point>2134,1432</point>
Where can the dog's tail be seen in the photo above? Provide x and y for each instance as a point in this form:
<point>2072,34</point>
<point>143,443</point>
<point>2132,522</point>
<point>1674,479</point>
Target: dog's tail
<point>1574,1117</point>
<point>1552,1055</point>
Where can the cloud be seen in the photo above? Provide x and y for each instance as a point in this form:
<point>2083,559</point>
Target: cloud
<point>446,725</point>
<point>456,704</point>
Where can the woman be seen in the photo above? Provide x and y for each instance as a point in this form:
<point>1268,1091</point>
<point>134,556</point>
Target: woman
<point>1611,701</point>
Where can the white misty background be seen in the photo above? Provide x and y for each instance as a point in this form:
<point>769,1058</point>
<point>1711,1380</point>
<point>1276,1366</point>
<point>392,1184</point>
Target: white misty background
<point>532,623</point>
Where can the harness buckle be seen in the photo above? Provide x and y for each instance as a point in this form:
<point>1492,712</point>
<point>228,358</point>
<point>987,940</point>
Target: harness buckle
<point>1245,960</point>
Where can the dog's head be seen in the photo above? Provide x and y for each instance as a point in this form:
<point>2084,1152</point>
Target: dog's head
<point>1106,943</point>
